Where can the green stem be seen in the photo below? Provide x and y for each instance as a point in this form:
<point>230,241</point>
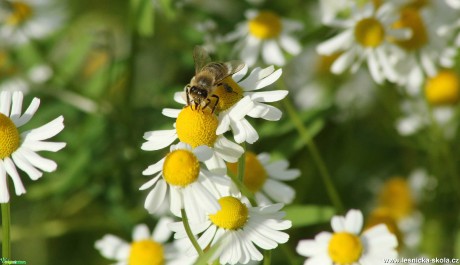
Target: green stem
<point>6,220</point>
<point>316,156</point>
<point>247,193</point>
<point>190,235</point>
<point>267,257</point>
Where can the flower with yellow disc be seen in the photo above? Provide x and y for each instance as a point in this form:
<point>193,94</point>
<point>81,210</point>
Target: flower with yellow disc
<point>19,148</point>
<point>265,32</point>
<point>347,245</point>
<point>146,247</point>
<point>239,227</point>
<point>22,20</point>
<point>189,186</point>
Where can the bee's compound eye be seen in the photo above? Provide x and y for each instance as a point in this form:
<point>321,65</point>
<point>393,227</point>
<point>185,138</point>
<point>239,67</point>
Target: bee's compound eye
<point>203,93</point>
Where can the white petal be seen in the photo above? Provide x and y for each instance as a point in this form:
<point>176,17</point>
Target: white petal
<point>216,164</point>
<point>22,163</point>
<point>158,139</point>
<point>279,191</point>
<point>43,145</point>
<point>155,197</point>
<point>110,245</point>
<point>240,74</point>
<point>152,169</point>
<point>4,195</point>
<point>250,51</point>
<point>272,54</point>
<point>228,150</point>
<point>172,113</point>
<point>354,221</point>
<point>203,152</point>
<point>150,183</point>
<point>176,201</point>
<point>38,161</point>
<point>374,68</point>
<point>161,233</point>
<point>28,114</point>
<point>11,170</point>
<point>266,112</point>
<point>5,102</point>
<point>45,131</point>
<point>290,44</point>
<point>16,108</point>
<point>343,62</point>
<point>180,97</point>
<point>338,223</point>
<point>335,44</point>
<point>224,123</point>
<point>269,96</point>
<point>141,232</point>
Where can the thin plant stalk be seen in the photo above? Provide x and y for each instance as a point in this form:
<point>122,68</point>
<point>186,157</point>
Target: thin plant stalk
<point>190,235</point>
<point>6,239</point>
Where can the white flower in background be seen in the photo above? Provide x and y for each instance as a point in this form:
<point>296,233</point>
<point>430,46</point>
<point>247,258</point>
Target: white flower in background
<point>430,45</point>
<point>180,176</point>
<point>347,245</point>
<point>366,36</point>
<point>238,227</point>
<point>196,127</point>
<point>264,178</point>
<point>267,33</point>
<point>22,20</point>
<point>442,93</point>
<point>244,100</point>
<point>19,149</point>
<point>145,248</point>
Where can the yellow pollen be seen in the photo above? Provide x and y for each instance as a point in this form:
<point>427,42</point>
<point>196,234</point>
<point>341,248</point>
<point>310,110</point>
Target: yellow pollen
<point>345,248</point>
<point>20,13</point>
<point>411,19</point>
<point>265,25</point>
<point>369,32</point>
<point>232,215</point>
<point>444,88</point>
<point>384,216</point>
<point>196,127</point>
<point>396,197</point>
<point>229,94</point>
<point>9,136</point>
<point>181,168</point>
<point>254,173</point>
<point>146,252</point>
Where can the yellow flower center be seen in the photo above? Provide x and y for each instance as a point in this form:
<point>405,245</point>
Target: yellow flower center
<point>254,173</point>
<point>20,13</point>
<point>265,25</point>
<point>369,32</point>
<point>411,19</point>
<point>444,88</point>
<point>181,168</point>
<point>384,216</point>
<point>229,94</point>
<point>9,136</point>
<point>146,252</point>
<point>345,248</point>
<point>232,215</point>
<point>196,127</point>
<point>396,197</point>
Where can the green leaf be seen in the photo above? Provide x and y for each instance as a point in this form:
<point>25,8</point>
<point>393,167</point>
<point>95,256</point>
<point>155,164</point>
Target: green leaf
<point>142,16</point>
<point>305,215</point>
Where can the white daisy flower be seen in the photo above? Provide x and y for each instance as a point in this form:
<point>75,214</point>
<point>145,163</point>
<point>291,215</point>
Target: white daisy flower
<point>442,92</point>
<point>367,35</point>
<point>145,248</point>
<point>22,20</point>
<point>347,245</point>
<point>264,178</point>
<point>239,227</point>
<point>267,33</point>
<point>234,105</point>
<point>18,149</point>
<point>196,127</point>
<point>190,187</point>
<point>430,45</point>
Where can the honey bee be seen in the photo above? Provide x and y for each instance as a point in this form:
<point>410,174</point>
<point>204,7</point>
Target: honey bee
<point>208,76</point>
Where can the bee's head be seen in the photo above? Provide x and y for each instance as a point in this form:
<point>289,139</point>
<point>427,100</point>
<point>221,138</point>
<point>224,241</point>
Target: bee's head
<point>198,92</point>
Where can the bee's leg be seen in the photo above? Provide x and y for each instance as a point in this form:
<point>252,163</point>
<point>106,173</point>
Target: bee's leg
<point>215,104</point>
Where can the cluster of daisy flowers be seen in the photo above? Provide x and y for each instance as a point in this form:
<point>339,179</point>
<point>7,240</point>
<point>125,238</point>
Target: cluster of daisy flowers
<point>200,179</point>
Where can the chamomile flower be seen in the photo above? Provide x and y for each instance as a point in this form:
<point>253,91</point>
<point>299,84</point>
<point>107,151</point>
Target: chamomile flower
<point>145,248</point>
<point>267,33</point>
<point>366,36</point>
<point>189,186</point>
<point>18,149</point>
<point>239,228</point>
<point>347,245</point>
<point>442,92</point>
<point>22,20</point>
<point>264,178</point>
<point>243,100</point>
<point>196,127</point>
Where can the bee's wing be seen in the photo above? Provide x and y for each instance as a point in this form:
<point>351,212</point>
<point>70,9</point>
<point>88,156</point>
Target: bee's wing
<point>230,68</point>
<point>201,58</point>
